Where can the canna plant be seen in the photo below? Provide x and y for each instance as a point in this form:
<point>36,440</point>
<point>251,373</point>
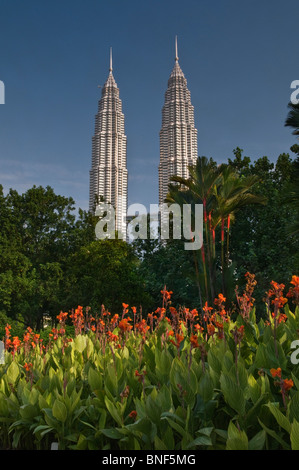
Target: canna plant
<point>180,379</point>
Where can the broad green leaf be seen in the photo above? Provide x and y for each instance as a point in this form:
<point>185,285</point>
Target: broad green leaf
<point>113,411</point>
<point>274,435</point>
<point>200,441</point>
<point>295,435</point>
<point>258,441</point>
<point>28,411</point>
<point>281,419</point>
<point>112,433</point>
<point>94,379</point>
<point>13,372</point>
<point>237,440</point>
<point>159,444</point>
<point>59,411</point>
<point>206,387</point>
<point>254,389</point>
<point>293,407</point>
<point>233,394</point>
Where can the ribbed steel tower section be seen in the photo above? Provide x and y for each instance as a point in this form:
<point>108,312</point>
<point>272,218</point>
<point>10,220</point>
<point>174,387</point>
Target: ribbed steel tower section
<point>108,174</point>
<point>178,135</point>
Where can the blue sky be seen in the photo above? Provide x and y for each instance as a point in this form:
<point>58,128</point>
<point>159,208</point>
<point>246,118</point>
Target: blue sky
<point>239,58</point>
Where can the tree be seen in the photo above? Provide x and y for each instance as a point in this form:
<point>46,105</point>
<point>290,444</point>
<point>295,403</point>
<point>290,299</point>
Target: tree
<point>222,192</point>
<point>260,242</point>
<point>104,272</point>
<point>292,196</point>
<point>38,232</point>
<point>292,119</point>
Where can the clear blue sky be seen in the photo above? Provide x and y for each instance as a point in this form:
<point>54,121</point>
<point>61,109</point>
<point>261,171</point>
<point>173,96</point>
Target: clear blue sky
<point>239,58</point>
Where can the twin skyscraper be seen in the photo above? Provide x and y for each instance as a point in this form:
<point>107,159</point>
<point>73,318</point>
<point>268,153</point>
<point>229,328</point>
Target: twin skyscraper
<point>178,144</point>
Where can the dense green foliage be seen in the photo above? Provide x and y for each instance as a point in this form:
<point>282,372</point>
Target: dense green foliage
<point>50,259</point>
<point>163,384</point>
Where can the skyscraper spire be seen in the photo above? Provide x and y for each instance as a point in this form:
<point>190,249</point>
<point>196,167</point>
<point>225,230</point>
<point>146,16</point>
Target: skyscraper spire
<point>176,49</point>
<point>110,69</point>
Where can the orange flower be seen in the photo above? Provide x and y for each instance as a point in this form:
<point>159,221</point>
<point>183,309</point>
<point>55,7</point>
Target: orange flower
<point>288,384</point>
<point>62,316</point>
<point>166,294</point>
<point>194,341</point>
<point>133,414</point>
<point>179,339</point>
<point>124,325</point>
<point>220,299</point>
<point>211,329</point>
<point>16,343</point>
<point>294,291</point>
<point>276,372</point>
<point>28,366</point>
<point>111,336</point>
<point>125,305</point>
<point>295,281</point>
<point>198,327</point>
<point>173,311</point>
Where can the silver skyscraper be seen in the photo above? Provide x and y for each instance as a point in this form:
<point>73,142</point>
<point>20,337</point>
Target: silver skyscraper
<point>178,136</point>
<point>108,174</point>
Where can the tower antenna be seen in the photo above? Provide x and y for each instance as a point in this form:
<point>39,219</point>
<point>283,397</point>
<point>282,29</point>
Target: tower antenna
<point>176,49</point>
<point>110,69</point>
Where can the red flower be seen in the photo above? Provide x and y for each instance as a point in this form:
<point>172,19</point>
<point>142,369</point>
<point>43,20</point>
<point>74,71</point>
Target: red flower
<point>276,372</point>
<point>194,341</point>
<point>28,366</point>
<point>133,414</point>
<point>211,329</point>
<point>198,327</point>
<point>124,325</point>
<point>288,384</point>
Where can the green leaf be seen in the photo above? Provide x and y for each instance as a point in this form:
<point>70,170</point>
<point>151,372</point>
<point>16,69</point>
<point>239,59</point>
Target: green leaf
<point>295,435</point>
<point>80,343</point>
<point>293,407</point>
<point>28,411</point>
<point>233,394</point>
<point>274,435</point>
<point>159,445</point>
<point>112,433</point>
<point>237,440</point>
<point>200,441</point>
<point>258,441</point>
<point>13,372</point>
<point>254,389</point>
<point>59,411</point>
<point>113,411</point>
<point>206,388</point>
<point>94,379</point>
<point>280,418</point>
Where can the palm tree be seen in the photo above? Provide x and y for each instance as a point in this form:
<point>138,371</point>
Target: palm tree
<point>232,194</point>
<point>222,193</point>
<point>204,176</point>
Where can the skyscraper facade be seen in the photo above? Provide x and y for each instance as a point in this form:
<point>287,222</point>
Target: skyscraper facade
<point>108,174</point>
<point>178,135</point>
